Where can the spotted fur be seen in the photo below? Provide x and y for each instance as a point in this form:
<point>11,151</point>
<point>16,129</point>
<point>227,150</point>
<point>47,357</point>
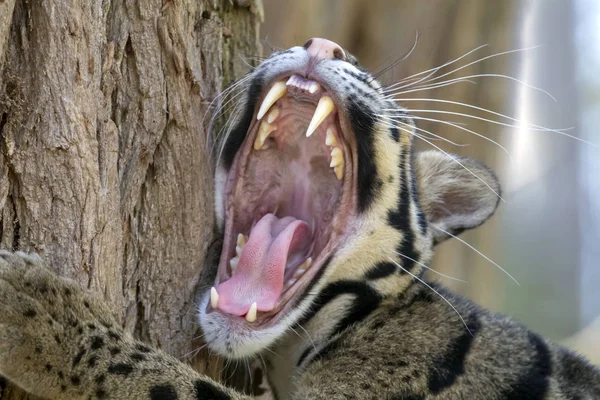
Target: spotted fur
<point>369,327</point>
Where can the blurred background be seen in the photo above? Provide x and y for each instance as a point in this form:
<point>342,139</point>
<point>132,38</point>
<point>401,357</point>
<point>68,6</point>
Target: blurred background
<point>547,232</point>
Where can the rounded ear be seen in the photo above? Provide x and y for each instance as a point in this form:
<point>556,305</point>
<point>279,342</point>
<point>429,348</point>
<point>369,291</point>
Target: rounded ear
<point>455,197</point>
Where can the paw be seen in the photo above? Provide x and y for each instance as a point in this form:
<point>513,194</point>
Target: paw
<point>49,328</point>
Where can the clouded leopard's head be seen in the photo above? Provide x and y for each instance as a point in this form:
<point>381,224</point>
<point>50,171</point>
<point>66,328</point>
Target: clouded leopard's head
<point>318,192</point>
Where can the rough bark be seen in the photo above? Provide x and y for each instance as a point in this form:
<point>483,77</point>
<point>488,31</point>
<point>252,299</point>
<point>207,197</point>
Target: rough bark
<point>104,168</point>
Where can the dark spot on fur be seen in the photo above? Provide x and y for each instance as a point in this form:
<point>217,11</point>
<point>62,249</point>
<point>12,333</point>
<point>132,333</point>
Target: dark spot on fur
<point>533,384</point>
<point>61,375</point>
<point>114,351</point>
<point>92,326</point>
<point>114,335</point>
<point>78,357</point>
<point>92,361</point>
<point>163,392</point>
<point>450,364</point>
<point>208,391</point>
<point>120,369</point>
<point>97,342</point>
<point>378,324</point>
<point>67,292</point>
<point>100,379</point>
<point>38,349</point>
<point>75,380</point>
<point>30,313</point>
<point>86,304</point>
<point>381,270</point>
<point>50,321</point>
<point>395,133</point>
<point>142,348</point>
<point>138,357</point>
<point>80,330</point>
<point>63,388</point>
<point>100,394</point>
<point>48,367</point>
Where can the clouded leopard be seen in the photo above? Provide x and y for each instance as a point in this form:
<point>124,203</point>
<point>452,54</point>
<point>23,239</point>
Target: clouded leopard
<point>329,219</point>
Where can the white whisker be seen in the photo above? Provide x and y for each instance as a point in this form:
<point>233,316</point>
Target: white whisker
<point>477,251</point>
<point>428,268</point>
<point>435,291</point>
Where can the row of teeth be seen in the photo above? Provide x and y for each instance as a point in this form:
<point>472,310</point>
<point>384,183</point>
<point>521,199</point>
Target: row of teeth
<point>252,312</point>
<point>324,108</point>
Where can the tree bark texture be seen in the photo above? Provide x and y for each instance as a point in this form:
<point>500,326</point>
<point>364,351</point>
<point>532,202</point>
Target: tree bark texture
<point>104,166</point>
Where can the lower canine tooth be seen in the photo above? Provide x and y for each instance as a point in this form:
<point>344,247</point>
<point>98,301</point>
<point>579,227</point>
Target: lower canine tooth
<point>273,114</point>
<point>264,131</point>
<point>214,298</point>
<point>251,315</point>
<point>324,108</point>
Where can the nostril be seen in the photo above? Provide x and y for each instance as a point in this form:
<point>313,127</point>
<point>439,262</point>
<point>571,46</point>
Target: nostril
<point>339,54</point>
<point>307,44</point>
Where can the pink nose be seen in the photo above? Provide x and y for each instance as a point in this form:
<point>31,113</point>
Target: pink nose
<point>319,49</point>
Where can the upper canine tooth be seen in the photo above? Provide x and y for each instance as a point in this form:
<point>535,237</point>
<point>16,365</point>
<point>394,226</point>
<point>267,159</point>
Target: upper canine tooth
<point>324,108</point>
<point>214,298</point>
<point>337,158</point>
<point>264,131</point>
<point>251,315</point>
<point>277,91</point>
<point>330,139</point>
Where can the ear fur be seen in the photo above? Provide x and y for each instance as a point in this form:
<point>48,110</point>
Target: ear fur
<point>452,198</point>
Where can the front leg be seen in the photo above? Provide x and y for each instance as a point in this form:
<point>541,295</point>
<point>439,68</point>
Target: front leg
<point>60,341</point>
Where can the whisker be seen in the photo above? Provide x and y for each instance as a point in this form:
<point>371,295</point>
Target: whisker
<point>491,121</point>
<point>467,130</point>
<point>387,121</point>
<point>458,162</point>
<point>434,70</point>
<point>401,58</point>
<point>504,77</point>
<point>477,251</point>
<point>429,268</point>
<point>435,291</point>
<point>432,86</point>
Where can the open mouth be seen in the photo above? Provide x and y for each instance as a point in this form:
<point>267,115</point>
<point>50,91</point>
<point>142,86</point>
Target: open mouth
<point>288,197</point>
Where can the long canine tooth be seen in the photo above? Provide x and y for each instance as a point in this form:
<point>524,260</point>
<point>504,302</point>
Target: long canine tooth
<point>214,298</point>
<point>264,131</point>
<point>251,315</point>
<point>337,158</point>
<point>330,139</point>
<point>277,91</point>
<point>324,108</point>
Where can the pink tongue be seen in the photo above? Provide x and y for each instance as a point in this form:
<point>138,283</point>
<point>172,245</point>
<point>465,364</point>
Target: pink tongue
<point>259,275</point>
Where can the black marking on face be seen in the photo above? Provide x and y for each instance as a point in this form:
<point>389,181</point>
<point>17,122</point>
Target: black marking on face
<point>449,365</point>
<point>381,270</point>
<point>395,133</point>
<point>163,392</point>
<point>367,299</point>
<point>120,369</point>
<point>238,134</point>
<point>208,391</point>
<point>533,384</point>
<point>400,219</point>
<point>363,125</point>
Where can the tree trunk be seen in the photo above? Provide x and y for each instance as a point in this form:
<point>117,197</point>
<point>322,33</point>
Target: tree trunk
<point>104,167</point>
